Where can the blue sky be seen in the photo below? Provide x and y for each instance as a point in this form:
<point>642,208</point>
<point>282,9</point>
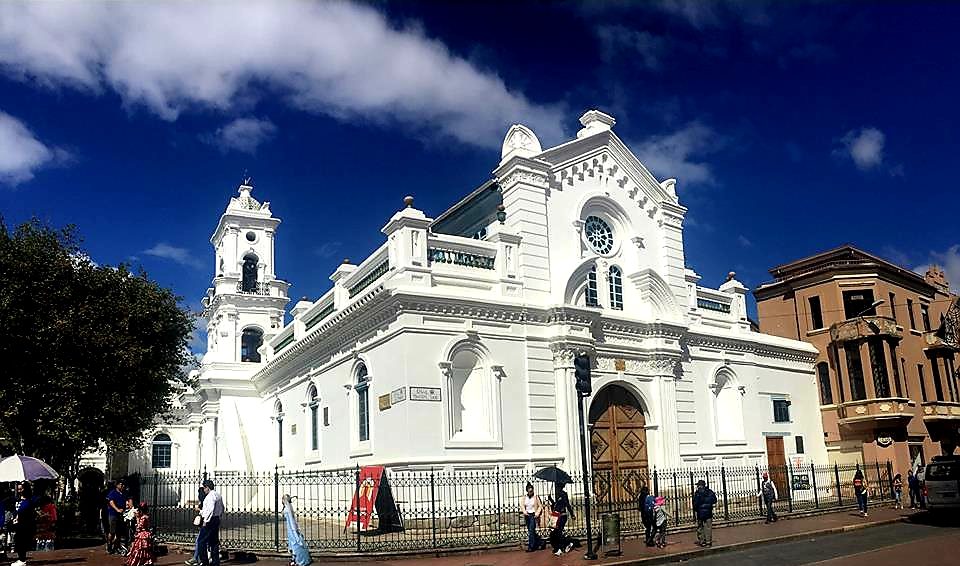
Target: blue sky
<point>791,127</point>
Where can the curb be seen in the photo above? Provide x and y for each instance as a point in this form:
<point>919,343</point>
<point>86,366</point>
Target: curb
<point>699,553</point>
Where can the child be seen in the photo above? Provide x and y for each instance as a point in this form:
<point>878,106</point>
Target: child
<point>130,526</point>
<point>660,521</point>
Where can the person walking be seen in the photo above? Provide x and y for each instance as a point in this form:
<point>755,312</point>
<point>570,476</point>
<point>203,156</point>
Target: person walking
<point>559,511</point>
<point>141,549</point>
<point>210,513</point>
<point>25,523</point>
<point>195,559</point>
<point>116,501</point>
<point>647,503</point>
<point>703,501</point>
<point>532,509</point>
<point>913,486</point>
<point>860,489</point>
<point>921,479</point>
<point>768,492</point>
<point>898,491</point>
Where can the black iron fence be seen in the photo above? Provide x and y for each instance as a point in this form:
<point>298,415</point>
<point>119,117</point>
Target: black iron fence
<point>441,509</point>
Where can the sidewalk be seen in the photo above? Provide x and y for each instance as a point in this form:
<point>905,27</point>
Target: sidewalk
<point>680,546</point>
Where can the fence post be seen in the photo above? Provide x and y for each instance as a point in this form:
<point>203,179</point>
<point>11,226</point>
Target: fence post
<point>499,503</point>
<point>676,497</point>
<point>893,493</point>
<point>276,508</point>
<point>816,496</point>
<point>433,507</point>
<point>759,489</point>
<point>790,487</point>
<point>836,475</point>
<point>656,482</point>
<point>723,484</point>
<point>357,497</point>
<point>880,481</point>
<point>692,491</point>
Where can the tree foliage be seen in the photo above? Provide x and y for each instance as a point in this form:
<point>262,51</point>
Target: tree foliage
<point>90,353</point>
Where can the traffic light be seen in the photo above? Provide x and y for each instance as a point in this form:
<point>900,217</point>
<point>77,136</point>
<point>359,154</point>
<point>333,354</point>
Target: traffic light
<point>581,365</point>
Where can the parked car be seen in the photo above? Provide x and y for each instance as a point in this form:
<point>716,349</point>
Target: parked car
<point>942,479</point>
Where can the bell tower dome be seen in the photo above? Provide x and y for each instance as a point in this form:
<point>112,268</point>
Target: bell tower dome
<point>245,305</point>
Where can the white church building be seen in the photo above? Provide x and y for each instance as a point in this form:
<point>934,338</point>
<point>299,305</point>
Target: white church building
<point>452,344</point>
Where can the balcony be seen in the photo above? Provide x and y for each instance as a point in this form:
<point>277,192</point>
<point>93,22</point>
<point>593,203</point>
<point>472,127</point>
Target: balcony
<point>259,288</point>
<point>864,327</point>
<point>870,414</point>
<point>941,418</point>
<point>936,342</point>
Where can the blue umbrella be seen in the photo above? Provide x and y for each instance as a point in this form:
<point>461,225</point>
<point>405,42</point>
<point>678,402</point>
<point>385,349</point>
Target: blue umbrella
<point>295,540</point>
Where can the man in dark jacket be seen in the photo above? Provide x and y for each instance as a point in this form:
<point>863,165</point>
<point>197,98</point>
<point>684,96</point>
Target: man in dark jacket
<point>703,501</point>
<point>645,501</point>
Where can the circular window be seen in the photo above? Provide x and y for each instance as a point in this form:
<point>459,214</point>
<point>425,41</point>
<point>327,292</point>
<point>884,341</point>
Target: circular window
<point>598,234</point>
<point>251,237</point>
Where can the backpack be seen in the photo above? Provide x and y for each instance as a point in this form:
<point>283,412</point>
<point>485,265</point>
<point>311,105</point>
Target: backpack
<point>648,505</point>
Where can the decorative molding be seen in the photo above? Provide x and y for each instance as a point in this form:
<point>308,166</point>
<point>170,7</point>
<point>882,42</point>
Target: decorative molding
<point>528,177</point>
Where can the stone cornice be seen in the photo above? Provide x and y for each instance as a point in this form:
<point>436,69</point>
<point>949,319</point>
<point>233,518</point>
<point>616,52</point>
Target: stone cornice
<point>750,347</point>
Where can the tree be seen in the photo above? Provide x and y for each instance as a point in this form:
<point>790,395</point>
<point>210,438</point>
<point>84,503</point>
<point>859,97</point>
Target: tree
<point>89,353</point>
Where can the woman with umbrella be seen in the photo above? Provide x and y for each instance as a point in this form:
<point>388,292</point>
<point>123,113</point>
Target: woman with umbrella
<point>558,512</point>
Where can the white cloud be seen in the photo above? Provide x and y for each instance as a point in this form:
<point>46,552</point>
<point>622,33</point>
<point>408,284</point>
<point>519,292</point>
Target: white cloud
<point>175,254</point>
<point>949,261</point>
<point>744,241</point>
<point>713,13</point>
<point>242,134</point>
<point>328,249</point>
<point>644,48</point>
<point>21,153</point>
<point>864,147</point>
<point>334,58</point>
<point>678,154</point>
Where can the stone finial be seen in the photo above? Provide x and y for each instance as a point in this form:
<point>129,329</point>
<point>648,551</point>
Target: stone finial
<point>731,275</point>
<point>346,261</point>
<point>304,298</point>
<point>594,122</point>
<point>408,201</point>
<point>520,140</point>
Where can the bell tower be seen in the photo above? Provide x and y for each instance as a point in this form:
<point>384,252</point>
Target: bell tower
<point>245,305</point>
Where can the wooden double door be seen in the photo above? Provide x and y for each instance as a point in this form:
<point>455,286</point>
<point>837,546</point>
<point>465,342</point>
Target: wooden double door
<point>618,445</point>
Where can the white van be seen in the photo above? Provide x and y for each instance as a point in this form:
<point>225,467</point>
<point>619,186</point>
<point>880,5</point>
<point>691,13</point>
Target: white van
<point>942,479</point>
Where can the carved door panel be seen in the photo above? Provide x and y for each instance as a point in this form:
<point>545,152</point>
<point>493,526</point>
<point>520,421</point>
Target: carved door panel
<point>618,442</point>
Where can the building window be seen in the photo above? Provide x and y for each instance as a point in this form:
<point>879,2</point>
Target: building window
<point>162,451</point>
<point>250,342</point>
<point>326,416</point>
<point>278,415</point>
<point>835,358</point>
<point>937,386</point>
<point>249,282</point>
<point>314,406</point>
<point>858,391</point>
<point>906,382</point>
<point>925,317</point>
<point>799,445</point>
<point>878,363</point>
<point>893,307</point>
<point>913,324</point>
<point>923,386</point>
<point>781,411</point>
<point>598,234</point>
<point>896,369</point>
<point>816,315</point>
<point>471,398</point>
<point>363,404</point>
<point>951,371</point>
<point>616,288</point>
<point>823,376</point>
<point>592,296</point>
<point>858,303</point>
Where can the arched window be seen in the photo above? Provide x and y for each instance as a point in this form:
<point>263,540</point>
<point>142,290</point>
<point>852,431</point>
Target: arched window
<point>363,404</point>
<point>162,451</point>
<point>616,288</point>
<point>278,416</point>
<point>823,377</point>
<point>249,284</point>
<point>592,296</point>
<point>469,398</point>
<point>250,342</point>
<point>728,401</point>
<point>314,406</point>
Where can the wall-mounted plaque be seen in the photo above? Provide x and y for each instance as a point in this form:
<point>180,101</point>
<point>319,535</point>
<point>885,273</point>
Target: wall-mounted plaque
<point>424,393</point>
<point>398,395</point>
<point>620,364</point>
<point>384,401</point>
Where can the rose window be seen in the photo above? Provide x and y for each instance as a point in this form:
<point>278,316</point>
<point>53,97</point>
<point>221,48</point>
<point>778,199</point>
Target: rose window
<point>599,235</point>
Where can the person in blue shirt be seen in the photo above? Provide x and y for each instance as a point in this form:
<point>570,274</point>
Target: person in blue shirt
<point>116,501</point>
<point>25,519</point>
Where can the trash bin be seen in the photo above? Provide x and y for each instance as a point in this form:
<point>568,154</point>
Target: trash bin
<point>611,534</point>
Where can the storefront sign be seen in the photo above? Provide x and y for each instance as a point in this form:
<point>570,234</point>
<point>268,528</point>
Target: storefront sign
<point>424,393</point>
<point>398,395</point>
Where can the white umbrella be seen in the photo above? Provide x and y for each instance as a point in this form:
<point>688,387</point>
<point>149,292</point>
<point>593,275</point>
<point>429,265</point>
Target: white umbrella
<point>20,468</point>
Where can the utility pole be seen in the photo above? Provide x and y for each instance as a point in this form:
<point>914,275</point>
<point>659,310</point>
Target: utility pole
<point>584,387</point>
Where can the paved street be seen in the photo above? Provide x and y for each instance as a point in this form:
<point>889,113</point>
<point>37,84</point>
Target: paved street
<point>881,539</point>
<point>900,543</point>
